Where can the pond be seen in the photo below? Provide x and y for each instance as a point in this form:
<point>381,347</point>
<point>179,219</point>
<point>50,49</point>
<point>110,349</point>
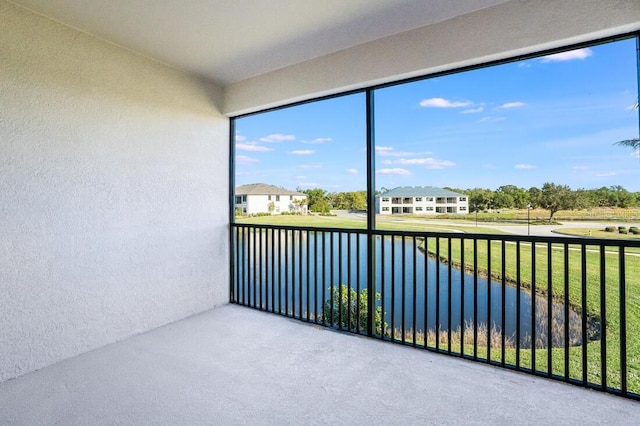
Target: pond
<point>298,268</point>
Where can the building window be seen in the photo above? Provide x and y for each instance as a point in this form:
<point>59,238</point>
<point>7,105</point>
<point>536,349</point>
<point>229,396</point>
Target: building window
<point>385,199</point>
<point>463,209</point>
<point>418,199</point>
<point>385,209</point>
<point>429,199</point>
<point>277,198</point>
<point>429,209</point>
<point>269,197</point>
<point>238,199</point>
<point>463,198</point>
<point>418,209</point>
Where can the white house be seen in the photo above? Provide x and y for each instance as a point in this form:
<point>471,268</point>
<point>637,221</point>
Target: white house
<point>262,198</point>
<point>421,200</point>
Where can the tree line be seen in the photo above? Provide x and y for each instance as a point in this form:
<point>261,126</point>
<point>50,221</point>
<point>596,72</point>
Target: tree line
<point>551,196</point>
<point>321,201</point>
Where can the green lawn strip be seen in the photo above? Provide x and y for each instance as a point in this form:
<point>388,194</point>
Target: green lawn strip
<point>596,233</point>
<point>306,221</point>
<point>599,233</point>
<point>359,223</point>
<point>427,227</point>
<point>574,296</point>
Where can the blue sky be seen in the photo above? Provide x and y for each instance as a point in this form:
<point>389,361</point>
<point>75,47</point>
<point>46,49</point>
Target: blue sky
<point>553,118</point>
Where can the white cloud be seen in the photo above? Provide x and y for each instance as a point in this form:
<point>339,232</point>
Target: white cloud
<point>636,154</point>
<point>310,166</point>
<point>606,174</point>
<point>490,119</point>
<point>443,103</point>
<point>318,140</point>
<point>508,105</point>
<point>278,137</point>
<point>308,184</point>
<point>394,171</point>
<point>524,65</point>
<point>568,56</point>
<point>632,107</point>
<point>252,146</point>
<point>302,152</point>
<point>387,151</point>
<point>524,166</point>
<point>243,159</point>
<point>429,163</point>
<point>301,177</point>
<point>352,171</point>
<point>472,110</point>
<point>580,168</point>
<point>240,138</point>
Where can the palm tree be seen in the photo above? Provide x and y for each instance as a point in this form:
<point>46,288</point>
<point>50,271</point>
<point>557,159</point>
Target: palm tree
<point>630,143</point>
<point>634,143</point>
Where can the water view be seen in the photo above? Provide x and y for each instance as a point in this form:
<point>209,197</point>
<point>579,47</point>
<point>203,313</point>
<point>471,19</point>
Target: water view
<point>297,270</point>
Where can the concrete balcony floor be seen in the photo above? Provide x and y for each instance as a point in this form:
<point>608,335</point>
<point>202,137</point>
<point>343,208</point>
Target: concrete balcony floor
<point>234,365</point>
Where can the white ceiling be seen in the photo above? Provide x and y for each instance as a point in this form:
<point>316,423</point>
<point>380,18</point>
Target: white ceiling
<point>232,40</point>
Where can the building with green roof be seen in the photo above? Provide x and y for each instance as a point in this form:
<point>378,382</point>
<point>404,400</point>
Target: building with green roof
<point>421,200</point>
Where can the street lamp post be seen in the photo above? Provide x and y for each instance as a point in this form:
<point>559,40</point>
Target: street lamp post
<point>528,219</point>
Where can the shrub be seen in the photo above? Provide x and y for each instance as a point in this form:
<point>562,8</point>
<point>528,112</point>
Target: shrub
<point>633,228</point>
<point>354,314</point>
<point>622,228</point>
<point>623,231</point>
<point>610,229</point>
<point>635,231</point>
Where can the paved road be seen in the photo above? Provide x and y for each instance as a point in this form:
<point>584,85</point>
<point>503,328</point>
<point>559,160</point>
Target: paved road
<point>537,230</point>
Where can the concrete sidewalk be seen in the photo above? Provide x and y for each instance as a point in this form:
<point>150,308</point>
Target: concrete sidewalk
<point>235,365</point>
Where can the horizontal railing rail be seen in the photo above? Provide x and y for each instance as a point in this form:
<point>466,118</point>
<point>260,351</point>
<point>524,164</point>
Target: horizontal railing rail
<point>565,308</point>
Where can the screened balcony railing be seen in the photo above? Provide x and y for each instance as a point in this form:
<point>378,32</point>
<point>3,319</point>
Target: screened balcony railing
<point>564,308</point>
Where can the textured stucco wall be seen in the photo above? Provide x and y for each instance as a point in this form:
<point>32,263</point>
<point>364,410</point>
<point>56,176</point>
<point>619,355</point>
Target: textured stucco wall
<point>113,193</point>
<point>509,29</point>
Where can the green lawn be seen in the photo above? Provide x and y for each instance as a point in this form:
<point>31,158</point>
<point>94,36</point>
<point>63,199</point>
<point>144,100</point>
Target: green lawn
<point>400,224</point>
<point>597,233</point>
<point>592,280</point>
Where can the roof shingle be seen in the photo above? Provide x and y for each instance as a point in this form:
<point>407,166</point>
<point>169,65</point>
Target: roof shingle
<point>420,191</point>
<point>263,189</point>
